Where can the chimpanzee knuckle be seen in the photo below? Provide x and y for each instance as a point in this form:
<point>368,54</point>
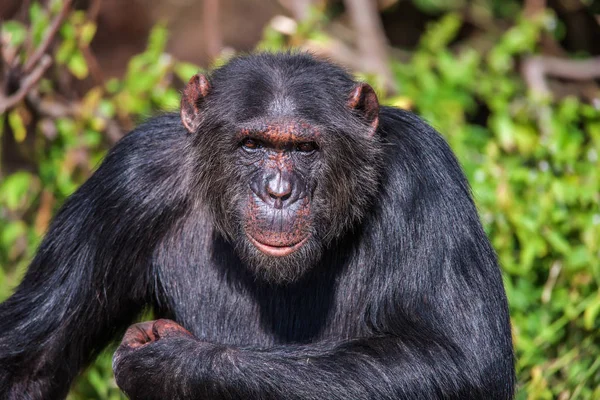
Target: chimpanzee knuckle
<point>139,334</point>
<point>163,328</point>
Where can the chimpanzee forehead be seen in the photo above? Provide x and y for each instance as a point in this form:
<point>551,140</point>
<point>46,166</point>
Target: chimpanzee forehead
<point>279,132</point>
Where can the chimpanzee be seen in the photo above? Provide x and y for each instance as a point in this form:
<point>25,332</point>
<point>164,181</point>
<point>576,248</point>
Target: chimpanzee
<point>302,242</point>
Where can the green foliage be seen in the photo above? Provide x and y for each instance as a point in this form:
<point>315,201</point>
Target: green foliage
<point>533,165</point>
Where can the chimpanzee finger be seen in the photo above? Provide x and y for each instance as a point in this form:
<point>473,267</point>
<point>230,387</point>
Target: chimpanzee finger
<point>164,328</point>
<point>139,334</point>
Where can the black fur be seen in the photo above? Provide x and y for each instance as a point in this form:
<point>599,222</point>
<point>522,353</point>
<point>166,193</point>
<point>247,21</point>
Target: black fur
<point>404,299</point>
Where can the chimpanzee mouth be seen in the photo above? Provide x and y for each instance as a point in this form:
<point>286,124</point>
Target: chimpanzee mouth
<point>277,250</point>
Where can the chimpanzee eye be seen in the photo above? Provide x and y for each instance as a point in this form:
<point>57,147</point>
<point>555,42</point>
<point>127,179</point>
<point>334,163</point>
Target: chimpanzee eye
<point>251,144</point>
<point>306,147</point>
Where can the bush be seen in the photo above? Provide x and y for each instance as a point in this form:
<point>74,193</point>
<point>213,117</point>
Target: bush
<point>533,164</point>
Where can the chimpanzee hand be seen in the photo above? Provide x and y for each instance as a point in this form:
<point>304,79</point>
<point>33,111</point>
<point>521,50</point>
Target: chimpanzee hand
<point>152,359</point>
<point>144,333</point>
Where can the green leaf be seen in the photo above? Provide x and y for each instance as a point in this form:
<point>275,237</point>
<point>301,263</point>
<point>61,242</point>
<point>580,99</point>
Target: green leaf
<point>185,71</point>
<point>39,22</point>
<point>17,125</point>
<point>11,232</point>
<point>77,65</point>
<point>590,315</point>
<point>14,33</point>
<point>66,48</point>
<point>558,242</point>
<point>157,41</point>
<point>15,188</point>
<point>88,30</point>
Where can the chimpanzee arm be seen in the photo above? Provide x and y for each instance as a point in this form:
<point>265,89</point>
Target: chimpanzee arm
<point>91,275</point>
<point>440,339</point>
<point>386,367</point>
<point>454,347</point>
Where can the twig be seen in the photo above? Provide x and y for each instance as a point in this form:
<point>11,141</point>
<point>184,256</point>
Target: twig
<point>535,69</point>
<point>56,109</point>
<point>25,10</point>
<point>212,28</point>
<point>94,10</point>
<point>338,51</point>
<point>93,65</point>
<point>26,84</point>
<point>298,8</point>
<point>50,34</point>
<point>44,214</point>
<point>534,7</point>
<point>551,282</point>
<point>2,62</point>
<point>372,43</point>
<point>577,70</point>
<point>90,57</point>
<point>51,108</point>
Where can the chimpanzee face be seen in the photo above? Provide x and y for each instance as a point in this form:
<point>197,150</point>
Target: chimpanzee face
<point>282,184</point>
<point>278,160</point>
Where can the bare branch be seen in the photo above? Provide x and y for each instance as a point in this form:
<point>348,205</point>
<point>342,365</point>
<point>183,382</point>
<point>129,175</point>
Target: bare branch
<point>372,43</point>
<point>577,70</point>
<point>51,108</point>
<point>94,10</point>
<point>212,28</point>
<point>56,109</point>
<point>2,62</point>
<point>24,10</point>
<point>298,8</point>
<point>536,69</point>
<point>26,85</point>
<point>93,64</point>
<point>534,7</point>
<point>90,58</point>
<point>50,34</point>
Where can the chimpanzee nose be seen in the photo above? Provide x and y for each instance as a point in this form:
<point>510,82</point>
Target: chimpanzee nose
<point>279,188</point>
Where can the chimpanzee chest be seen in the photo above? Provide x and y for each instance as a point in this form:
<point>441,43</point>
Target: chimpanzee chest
<point>218,299</point>
<point>219,308</point>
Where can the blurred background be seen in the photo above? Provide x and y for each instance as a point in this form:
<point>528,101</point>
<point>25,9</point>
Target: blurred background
<point>512,85</point>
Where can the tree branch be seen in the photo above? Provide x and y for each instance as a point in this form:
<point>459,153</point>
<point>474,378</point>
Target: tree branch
<point>212,28</point>
<point>57,109</point>
<point>26,84</point>
<point>372,43</point>
<point>535,69</point>
<point>298,8</point>
<point>94,10</point>
<point>90,58</point>
<point>50,34</point>
<point>534,7</point>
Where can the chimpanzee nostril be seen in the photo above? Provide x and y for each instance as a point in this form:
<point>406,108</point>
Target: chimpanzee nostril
<point>279,199</point>
<point>286,196</point>
<point>279,188</point>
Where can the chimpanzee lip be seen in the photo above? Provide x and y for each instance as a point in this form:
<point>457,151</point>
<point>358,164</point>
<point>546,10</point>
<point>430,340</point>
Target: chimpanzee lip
<point>277,251</point>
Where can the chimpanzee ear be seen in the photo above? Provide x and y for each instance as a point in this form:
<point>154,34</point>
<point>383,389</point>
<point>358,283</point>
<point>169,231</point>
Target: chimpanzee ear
<point>192,100</point>
<point>364,101</point>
